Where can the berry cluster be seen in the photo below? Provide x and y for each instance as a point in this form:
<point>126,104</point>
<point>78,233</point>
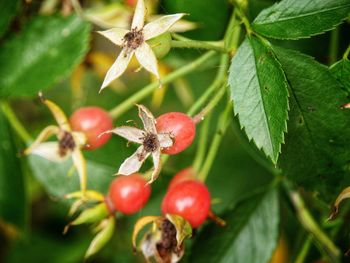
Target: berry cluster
<point>186,204</point>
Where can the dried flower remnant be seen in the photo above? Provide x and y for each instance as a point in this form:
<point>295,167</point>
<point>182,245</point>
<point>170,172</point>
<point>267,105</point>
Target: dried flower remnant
<point>134,42</point>
<point>69,143</point>
<point>163,243</point>
<point>151,142</point>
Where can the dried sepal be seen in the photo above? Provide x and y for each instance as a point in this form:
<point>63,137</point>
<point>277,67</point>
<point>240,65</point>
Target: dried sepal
<point>133,41</point>
<point>58,114</point>
<point>89,195</point>
<point>45,134</point>
<point>151,142</point>
<point>140,224</point>
<point>163,243</point>
<point>335,208</point>
<point>80,164</point>
<point>69,143</point>
<point>148,120</point>
<point>182,226</point>
<point>105,231</point>
<point>161,25</point>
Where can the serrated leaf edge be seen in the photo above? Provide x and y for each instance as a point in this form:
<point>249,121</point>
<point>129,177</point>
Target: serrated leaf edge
<point>255,25</point>
<point>274,159</point>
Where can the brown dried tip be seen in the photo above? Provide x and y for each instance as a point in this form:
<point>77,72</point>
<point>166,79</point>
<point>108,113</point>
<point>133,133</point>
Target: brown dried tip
<point>345,106</point>
<point>65,229</point>
<point>217,220</point>
<point>333,214</point>
<point>347,253</point>
<point>41,97</point>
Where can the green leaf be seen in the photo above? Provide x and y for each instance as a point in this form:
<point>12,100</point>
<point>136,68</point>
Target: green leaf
<point>251,233</point>
<point>317,142</point>
<point>44,51</point>
<point>13,207</point>
<point>293,19</point>
<point>8,9</point>
<point>341,71</point>
<point>58,179</point>
<point>259,94</point>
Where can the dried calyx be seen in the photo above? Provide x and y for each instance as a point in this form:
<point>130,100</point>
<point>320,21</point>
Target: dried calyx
<point>133,39</point>
<point>69,142</point>
<point>163,243</point>
<point>152,143</point>
<point>167,245</point>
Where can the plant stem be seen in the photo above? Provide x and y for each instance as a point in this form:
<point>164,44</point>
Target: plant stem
<point>304,250</point>
<point>220,131</point>
<point>144,92</point>
<point>232,36</point>
<point>15,123</point>
<point>346,53</point>
<point>212,103</point>
<point>309,223</point>
<point>217,82</point>
<point>333,46</point>
<point>202,143</point>
<point>196,44</point>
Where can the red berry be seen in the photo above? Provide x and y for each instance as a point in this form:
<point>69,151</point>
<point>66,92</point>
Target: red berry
<point>129,194</point>
<point>184,175</point>
<point>131,3</point>
<point>92,121</point>
<point>189,199</point>
<point>180,126</point>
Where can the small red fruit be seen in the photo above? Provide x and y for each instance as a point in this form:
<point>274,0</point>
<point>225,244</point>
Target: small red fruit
<point>184,175</point>
<point>128,194</point>
<point>180,126</point>
<point>189,199</point>
<point>92,121</point>
<point>131,3</point>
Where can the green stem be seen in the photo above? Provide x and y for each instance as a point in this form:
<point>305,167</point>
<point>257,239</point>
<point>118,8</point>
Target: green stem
<point>346,53</point>
<point>179,37</point>
<point>202,143</point>
<point>196,44</point>
<point>15,123</point>
<point>244,19</point>
<point>309,223</point>
<point>232,36</point>
<point>304,250</point>
<point>144,92</point>
<point>210,106</point>
<point>333,47</point>
<point>213,149</point>
<point>217,82</point>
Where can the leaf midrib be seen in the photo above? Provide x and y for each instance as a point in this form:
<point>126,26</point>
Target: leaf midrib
<point>263,104</point>
<point>305,122</point>
<point>243,225</point>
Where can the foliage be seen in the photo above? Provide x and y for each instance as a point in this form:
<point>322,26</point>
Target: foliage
<point>266,84</point>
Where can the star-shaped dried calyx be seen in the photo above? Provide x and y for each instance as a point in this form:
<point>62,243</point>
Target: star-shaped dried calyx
<point>164,242</point>
<point>151,142</point>
<point>69,143</point>
<point>134,42</point>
